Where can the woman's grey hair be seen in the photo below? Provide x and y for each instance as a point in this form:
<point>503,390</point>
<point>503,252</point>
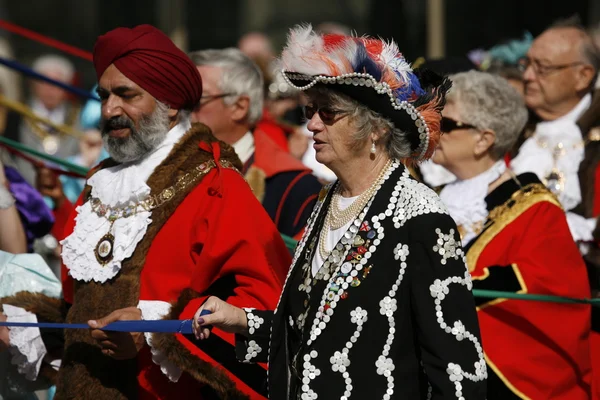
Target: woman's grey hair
<point>241,76</point>
<point>488,101</point>
<point>365,121</point>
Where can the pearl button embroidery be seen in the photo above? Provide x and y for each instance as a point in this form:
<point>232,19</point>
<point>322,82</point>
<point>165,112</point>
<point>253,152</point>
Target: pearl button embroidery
<point>439,289</point>
<point>254,321</point>
<point>253,350</point>
<point>387,307</point>
<point>412,199</point>
<point>340,361</point>
<point>408,200</point>
<point>447,246</point>
<point>309,373</point>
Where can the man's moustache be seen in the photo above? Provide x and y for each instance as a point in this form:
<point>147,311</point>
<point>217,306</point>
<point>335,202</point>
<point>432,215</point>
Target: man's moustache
<point>115,124</point>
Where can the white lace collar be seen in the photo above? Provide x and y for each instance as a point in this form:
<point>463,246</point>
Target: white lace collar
<point>120,185</point>
<point>465,200</point>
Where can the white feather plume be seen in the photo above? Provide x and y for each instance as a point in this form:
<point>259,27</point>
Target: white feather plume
<point>390,56</point>
<point>298,54</point>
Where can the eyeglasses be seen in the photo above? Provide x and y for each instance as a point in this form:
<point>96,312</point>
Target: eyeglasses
<point>543,69</point>
<point>448,125</point>
<point>328,115</point>
<point>208,98</point>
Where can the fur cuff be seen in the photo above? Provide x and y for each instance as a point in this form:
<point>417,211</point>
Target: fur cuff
<point>46,308</point>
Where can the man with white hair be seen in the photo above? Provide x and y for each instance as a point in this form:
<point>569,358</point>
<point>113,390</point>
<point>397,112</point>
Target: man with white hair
<point>231,106</point>
<point>559,72</point>
<point>50,102</point>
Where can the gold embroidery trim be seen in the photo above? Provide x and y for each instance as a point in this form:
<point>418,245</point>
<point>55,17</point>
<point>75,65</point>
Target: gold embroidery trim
<point>154,201</point>
<point>506,213</point>
<point>509,385</point>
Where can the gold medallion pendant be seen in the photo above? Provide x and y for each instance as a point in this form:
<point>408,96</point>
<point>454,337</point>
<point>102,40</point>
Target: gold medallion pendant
<point>104,249</point>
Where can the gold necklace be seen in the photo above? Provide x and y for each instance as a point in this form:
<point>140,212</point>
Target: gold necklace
<point>104,249</point>
<point>336,218</point>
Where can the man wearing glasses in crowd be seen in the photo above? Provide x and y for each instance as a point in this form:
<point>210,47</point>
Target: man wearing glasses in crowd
<point>231,105</point>
<point>563,145</point>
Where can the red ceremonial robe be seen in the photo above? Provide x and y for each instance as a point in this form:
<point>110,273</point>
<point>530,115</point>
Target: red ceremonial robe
<point>213,238</point>
<point>534,350</point>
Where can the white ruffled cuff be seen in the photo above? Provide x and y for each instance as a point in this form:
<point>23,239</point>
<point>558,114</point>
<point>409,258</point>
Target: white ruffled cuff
<point>153,310</point>
<point>581,228</point>
<point>26,345</point>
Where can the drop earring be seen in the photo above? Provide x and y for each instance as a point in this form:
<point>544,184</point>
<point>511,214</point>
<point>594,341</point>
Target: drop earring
<point>373,149</point>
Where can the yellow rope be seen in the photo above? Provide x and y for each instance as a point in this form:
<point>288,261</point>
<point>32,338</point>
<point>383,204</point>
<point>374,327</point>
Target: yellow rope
<point>28,113</point>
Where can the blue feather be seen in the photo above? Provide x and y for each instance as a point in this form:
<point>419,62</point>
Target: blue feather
<point>364,64</point>
<point>405,93</point>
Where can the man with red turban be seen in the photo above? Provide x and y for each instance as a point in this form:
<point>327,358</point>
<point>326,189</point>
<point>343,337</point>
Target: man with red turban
<point>158,228</point>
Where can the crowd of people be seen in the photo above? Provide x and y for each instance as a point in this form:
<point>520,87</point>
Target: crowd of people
<point>405,187</point>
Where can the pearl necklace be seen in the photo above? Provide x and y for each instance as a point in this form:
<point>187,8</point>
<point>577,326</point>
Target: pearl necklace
<point>336,218</point>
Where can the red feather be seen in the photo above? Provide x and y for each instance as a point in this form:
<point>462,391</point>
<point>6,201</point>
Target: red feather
<point>332,41</point>
<point>374,47</point>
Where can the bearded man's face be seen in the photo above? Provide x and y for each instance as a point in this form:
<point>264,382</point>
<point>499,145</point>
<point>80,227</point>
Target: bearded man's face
<point>133,122</point>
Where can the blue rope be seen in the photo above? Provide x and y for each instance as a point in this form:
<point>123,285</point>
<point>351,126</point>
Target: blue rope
<point>31,73</point>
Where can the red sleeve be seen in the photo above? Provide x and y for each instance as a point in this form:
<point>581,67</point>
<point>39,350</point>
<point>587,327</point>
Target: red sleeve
<point>235,237</point>
<point>67,214</point>
<point>61,217</point>
<point>239,257</point>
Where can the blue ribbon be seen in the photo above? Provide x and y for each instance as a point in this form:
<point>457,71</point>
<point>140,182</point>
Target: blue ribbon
<point>159,326</point>
<point>31,73</point>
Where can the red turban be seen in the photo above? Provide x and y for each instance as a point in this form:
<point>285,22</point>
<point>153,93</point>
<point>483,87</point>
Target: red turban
<point>149,58</point>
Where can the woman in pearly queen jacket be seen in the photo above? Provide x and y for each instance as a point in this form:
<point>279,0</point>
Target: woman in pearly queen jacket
<point>377,303</point>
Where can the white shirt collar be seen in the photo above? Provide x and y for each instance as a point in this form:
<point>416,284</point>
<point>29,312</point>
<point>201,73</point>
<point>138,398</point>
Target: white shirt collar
<point>244,147</point>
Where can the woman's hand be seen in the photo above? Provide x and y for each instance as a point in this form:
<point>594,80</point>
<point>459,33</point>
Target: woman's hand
<point>223,315</point>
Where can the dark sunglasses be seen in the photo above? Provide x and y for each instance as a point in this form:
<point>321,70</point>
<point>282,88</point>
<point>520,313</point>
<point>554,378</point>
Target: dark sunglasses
<point>448,125</point>
<point>328,115</point>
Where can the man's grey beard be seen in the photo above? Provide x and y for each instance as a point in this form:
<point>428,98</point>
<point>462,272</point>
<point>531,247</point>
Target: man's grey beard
<point>151,133</point>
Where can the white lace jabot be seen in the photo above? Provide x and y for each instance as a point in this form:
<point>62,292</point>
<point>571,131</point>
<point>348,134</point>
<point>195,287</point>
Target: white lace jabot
<point>535,155</point>
<point>466,200</point>
<point>116,186</point>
